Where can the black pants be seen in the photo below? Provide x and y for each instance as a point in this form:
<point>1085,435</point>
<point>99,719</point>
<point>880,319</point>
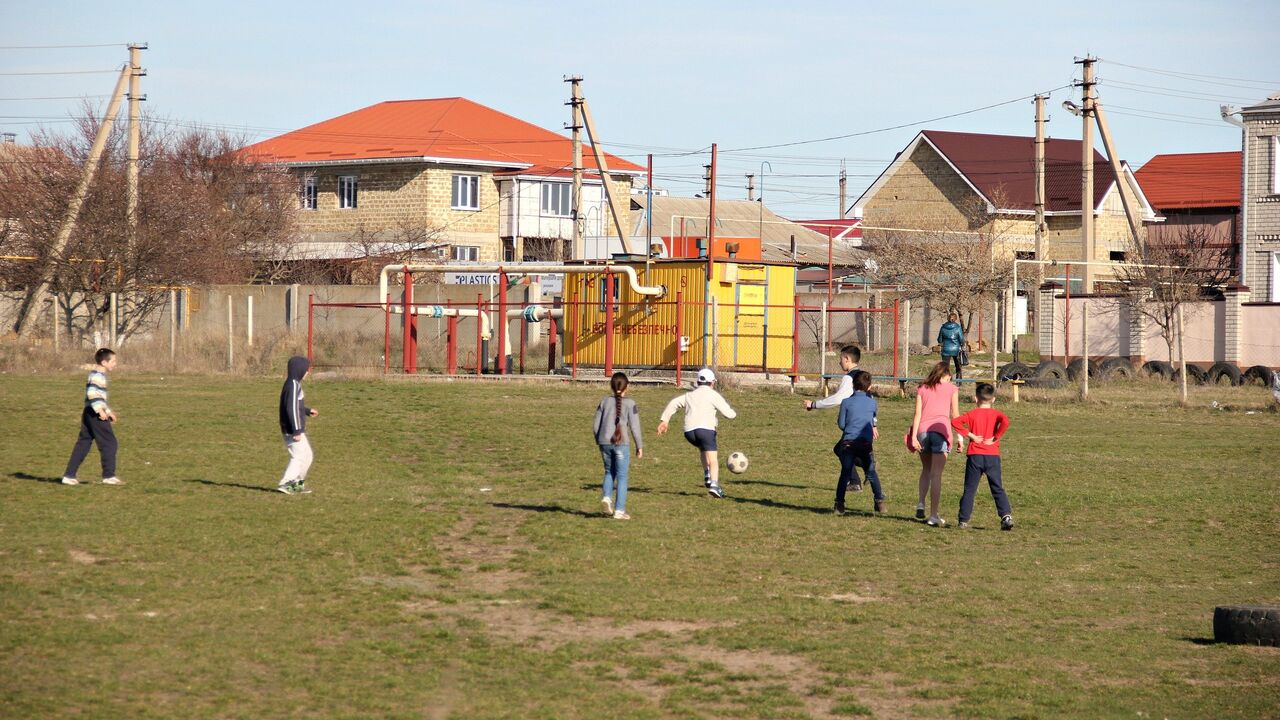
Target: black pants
<point>856,454</point>
<point>956,358</point>
<point>92,429</point>
<point>974,468</point>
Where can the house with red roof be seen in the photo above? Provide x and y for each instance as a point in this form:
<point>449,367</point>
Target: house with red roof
<point>1195,193</point>
<point>443,175</point>
<point>939,175</point>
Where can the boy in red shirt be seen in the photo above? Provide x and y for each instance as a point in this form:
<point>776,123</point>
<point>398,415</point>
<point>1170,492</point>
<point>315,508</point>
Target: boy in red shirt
<point>984,425</point>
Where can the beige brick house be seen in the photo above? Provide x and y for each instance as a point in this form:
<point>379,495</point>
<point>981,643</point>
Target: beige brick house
<point>1260,269</point>
<point>447,175</point>
<point>939,175</point>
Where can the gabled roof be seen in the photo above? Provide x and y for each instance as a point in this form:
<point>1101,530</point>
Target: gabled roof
<point>1001,169</point>
<point>839,229</point>
<point>444,129</point>
<point>1192,180</point>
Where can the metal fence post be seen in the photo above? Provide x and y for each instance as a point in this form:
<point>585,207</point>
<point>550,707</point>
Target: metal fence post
<point>248,319</point>
<point>231,338</point>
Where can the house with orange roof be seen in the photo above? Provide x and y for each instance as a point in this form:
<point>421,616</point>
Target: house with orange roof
<point>443,175</point>
<point>1195,193</point>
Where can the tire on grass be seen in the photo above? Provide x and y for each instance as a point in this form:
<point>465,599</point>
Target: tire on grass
<point>1075,367</point>
<point>1158,368</point>
<point>1257,375</point>
<point>1220,370</point>
<point>1116,369</point>
<point>1247,624</point>
<point>1014,371</point>
<point>1196,375</point>
<point>1050,370</point>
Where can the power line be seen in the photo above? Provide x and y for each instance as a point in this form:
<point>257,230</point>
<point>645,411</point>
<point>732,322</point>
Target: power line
<point>54,97</point>
<point>1187,75</point>
<point>895,127</point>
<point>63,72</point>
<point>59,47</point>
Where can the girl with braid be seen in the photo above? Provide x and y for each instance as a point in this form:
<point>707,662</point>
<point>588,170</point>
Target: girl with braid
<point>617,422</point>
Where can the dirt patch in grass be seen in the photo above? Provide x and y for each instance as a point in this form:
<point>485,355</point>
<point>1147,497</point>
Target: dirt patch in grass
<point>672,668</point>
<point>82,557</point>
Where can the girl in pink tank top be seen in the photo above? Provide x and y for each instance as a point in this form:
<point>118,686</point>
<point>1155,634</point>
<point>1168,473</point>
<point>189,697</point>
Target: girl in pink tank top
<point>937,402</point>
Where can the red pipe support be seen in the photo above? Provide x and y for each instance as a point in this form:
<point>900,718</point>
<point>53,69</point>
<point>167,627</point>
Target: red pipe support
<point>608,323</point>
<point>311,322</point>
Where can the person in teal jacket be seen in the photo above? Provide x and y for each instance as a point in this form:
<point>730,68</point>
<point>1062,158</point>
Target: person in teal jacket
<point>951,338</point>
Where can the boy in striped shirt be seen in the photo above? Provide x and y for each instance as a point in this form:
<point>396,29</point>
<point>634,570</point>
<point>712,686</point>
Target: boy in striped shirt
<point>95,423</point>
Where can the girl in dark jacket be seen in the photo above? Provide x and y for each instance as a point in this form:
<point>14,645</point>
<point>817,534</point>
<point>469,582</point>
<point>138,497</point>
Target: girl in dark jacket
<point>951,338</point>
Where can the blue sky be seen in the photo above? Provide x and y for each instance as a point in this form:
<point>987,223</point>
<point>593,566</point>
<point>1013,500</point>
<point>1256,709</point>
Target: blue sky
<point>673,77</point>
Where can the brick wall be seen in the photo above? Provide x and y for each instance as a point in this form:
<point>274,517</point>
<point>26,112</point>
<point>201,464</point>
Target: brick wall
<point>1262,203</point>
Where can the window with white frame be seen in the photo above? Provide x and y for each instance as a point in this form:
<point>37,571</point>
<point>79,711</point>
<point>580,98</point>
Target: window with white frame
<point>348,190</point>
<point>309,193</point>
<point>1275,277</point>
<point>465,253</point>
<point>466,192</point>
<point>1275,165</point>
<point>556,199</point>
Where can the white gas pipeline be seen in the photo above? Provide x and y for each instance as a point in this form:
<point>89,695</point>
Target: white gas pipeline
<point>633,280</point>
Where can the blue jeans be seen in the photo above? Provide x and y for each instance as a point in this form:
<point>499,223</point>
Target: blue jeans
<point>974,468</point>
<point>617,463</point>
<point>856,454</point>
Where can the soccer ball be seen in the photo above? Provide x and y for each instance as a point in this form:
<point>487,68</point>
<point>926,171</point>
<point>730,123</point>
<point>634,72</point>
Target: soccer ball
<point>737,463</point>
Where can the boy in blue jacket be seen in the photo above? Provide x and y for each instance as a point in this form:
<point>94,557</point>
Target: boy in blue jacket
<point>293,423</point>
<point>857,421</point>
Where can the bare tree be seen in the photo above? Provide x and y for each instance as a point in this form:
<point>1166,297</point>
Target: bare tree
<point>1191,264</point>
<point>206,214</point>
<point>958,264</point>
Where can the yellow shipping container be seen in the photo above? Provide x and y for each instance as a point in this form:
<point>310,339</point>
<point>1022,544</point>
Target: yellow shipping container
<point>752,320</point>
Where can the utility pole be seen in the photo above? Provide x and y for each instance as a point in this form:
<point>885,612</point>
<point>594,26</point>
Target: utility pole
<point>575,102</point>
<point>751,187</point>
<point>602,167</point>
<point>36,294</point>
<point>1110,147</point>
<point>844,179</point>
<point>135,134</point>
<point>1086,192</point>
<point>711,219</point>
<point>1039,178</point>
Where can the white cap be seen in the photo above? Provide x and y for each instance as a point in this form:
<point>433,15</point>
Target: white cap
<point>706,377</point>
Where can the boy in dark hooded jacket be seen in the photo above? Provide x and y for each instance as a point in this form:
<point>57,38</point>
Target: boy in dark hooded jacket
<point>293,423</point>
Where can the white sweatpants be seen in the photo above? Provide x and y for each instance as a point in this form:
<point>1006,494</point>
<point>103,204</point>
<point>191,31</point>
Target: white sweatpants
<point>300,458</point>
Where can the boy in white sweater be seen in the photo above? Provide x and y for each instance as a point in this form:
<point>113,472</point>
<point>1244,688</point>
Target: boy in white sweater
<point>700,406</point>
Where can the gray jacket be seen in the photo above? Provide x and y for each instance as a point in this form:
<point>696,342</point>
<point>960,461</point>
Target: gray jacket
<point>606,420</point>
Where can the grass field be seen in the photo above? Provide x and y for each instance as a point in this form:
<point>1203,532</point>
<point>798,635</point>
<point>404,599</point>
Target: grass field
<point>452,563</point>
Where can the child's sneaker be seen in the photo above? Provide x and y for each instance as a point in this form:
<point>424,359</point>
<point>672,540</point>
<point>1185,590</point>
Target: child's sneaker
<point>715,491</point>
<point>856,486</point>
<point>113,480</point>
<point>963,525</point>
<point>1006,522</point>
<point>301,488</point>
<point>607,502</point>
<point>70,481</point>
<point>920,511</point>
<point>706,479</point>
<point>620,515</point>
<point>839,509</point>
<point>880,506</point>
<point>935,521</point>
<point>285,487</point>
